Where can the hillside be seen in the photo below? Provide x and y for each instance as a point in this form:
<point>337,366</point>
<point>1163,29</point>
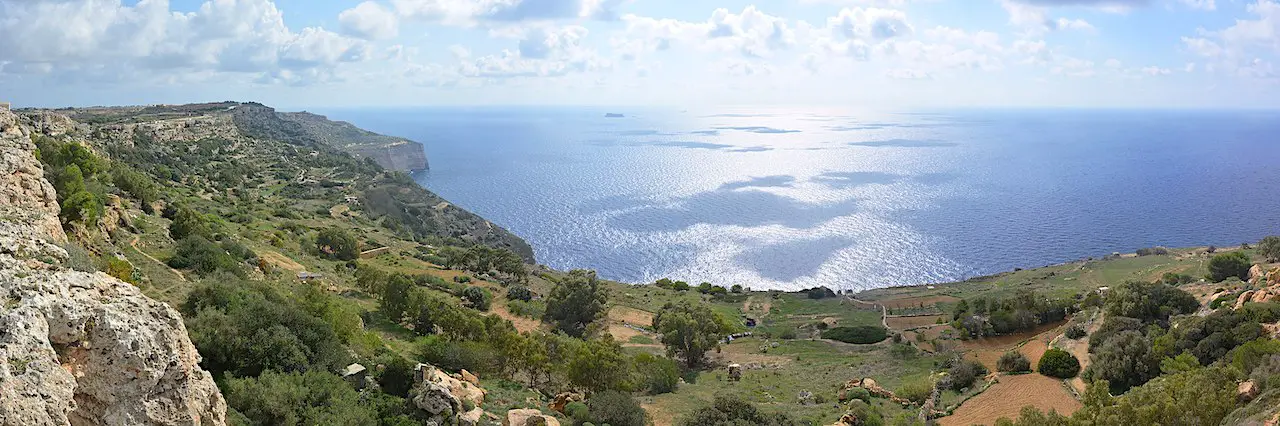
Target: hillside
<point>323,289</point>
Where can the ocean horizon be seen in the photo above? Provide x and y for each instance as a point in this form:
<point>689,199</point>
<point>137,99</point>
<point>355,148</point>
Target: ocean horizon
<point>791,198</point>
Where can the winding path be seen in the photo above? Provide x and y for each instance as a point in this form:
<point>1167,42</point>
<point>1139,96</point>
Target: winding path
<point>134,244</point>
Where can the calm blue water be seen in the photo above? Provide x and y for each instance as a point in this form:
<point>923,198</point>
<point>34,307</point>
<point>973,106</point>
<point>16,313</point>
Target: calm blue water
<point>772,198</point>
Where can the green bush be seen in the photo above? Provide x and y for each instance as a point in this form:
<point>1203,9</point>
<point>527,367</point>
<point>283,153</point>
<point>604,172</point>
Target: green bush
<point>454,356</point>
<point>577,411</point>
<point>917,390</point>
<point>867,414</point>
<point>519,292</point>
<point>1269,248</point>
<point>787,334</point>
<point>311,398</point>
<point>862,334</point>
<point>477,298</point>
<point>1013,362</point>
<point>963,373</point>
<point>658,375</point>
<point>204,257</point>
<point>858,393</point>
<point>1075,331</point>
<point>1058,363</point>
<point>1230,264</point>
<point>616,409</point>
<point>732,410</point>
<point>338,244</point>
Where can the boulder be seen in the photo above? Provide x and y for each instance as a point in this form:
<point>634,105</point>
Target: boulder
<point>443,397</point>
<point>1262,296</point>
<point>564,398</point>
<point>1255,273</point>
<point>1247,391</point>
<point>471,418</point>
<point>469,378</point>
<point>528,417</point>
<point>458,388</point>
<point>1244,297</point>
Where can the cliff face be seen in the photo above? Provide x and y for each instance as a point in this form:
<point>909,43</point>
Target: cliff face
<point>390,152</point>
<point>78,348</point>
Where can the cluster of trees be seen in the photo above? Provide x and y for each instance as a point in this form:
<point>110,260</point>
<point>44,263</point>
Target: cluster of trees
<point>206,257</point>
<point>482,259</point>
<point>337,243</point>
<point>859,334</point>
<point>988,317</point>
<point>1147,334</point>
<point>74,172</point>
<point>713,290</point>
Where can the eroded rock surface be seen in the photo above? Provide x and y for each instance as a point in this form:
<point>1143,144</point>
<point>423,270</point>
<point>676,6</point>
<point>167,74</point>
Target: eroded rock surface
<point>82,348</point>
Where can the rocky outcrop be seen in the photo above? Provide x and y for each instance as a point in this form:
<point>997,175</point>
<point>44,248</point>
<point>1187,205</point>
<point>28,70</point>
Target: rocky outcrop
<point>873,388</point>
<point>390,152</point>
<point>75,347</point>
<point>443,397</point>
<point>563,400</point>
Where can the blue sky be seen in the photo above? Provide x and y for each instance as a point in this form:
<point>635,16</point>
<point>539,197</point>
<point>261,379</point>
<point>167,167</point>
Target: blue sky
<point>855,53</point>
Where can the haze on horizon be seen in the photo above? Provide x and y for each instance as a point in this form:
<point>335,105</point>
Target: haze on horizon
<point>861,53</point>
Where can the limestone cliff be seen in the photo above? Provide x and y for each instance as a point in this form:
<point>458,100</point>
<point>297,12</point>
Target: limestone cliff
<point>390,152</point>
<point>82,348</point>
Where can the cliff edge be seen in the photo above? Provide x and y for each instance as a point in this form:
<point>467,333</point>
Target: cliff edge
<point>81,348</point>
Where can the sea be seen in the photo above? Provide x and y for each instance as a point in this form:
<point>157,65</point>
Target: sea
<point>792,198</point>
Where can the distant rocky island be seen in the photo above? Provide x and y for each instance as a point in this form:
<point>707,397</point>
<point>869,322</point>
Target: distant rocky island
<point>613,115</point>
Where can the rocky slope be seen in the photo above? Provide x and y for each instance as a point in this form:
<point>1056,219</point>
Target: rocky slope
<point>232,147</point>
<point>75,347</point>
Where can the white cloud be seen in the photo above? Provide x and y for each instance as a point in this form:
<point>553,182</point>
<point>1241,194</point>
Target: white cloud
<point>1035,19</point>
<point>1155,71</point>
<point>540,52</point>
<point>869,24</point>
<point>752,33</point>
<point>86,39</point>
<point>1112,63</point>
<point>907,74</point>
<point>472,12</point>
<point>369,20</point>
<point>1240,48</point>
<point>1200,4</point>
<point>1190,67</point>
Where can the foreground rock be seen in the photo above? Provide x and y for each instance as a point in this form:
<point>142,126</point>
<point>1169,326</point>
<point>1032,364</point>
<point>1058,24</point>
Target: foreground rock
<point>444,398</point>
<point>528,417</point>
<point>76,347</point>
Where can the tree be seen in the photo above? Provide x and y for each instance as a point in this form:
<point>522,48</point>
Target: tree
<point>1229,264</point>
<point>737,288</point>
<point>1058,363</point>
<point>519,292</point>
<point>477,297</point>
<point>963,373</point>
<point>187,222</point>
<point>69,182</point>
<point>1013,362</point>
<point>689,330</point>
<point>575,302</point>
<point>395,297</point>
<point>1269,247</point>
<point>599,365</point>
<point>83,207</point>
<point>338,244</point>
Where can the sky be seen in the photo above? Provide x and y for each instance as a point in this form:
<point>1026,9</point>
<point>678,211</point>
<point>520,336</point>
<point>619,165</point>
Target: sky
<point>682,53</point>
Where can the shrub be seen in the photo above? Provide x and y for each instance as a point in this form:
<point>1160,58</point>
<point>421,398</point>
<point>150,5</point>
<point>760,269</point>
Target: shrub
<point>575,302</point>
<point>1152,251</point>
<point>658,375</point>
<point>732,410</point>
<point>862,334</point>
<point>787,334</point>
<point>477,298</point>
<point>577,411</point>
<point>1148,301</point>
<point>616,409</point>
<point>1058,363</point>
<point>963,373</point>
<point>1075,331</point>
<point>1013,362</point>
<point>1173,278</point>
<point>519,292</point>
<point>867,414</point>
<point>203,256</point>
<point>1230,264</point>
<point>1270,248</point>
<point>461,279</point>
<point>858,393</point>
<point>313,398</point>
<point>917,390</point>
<point>532,310</point>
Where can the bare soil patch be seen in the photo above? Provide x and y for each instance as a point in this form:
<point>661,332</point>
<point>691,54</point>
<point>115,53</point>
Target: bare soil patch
<point>631,316</point>
<point>912,302</point>
<point>1006,398</point>
<point>988,350</point>
<point>903,323</point>
<point>281,261</point>
<point>521,323</point>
